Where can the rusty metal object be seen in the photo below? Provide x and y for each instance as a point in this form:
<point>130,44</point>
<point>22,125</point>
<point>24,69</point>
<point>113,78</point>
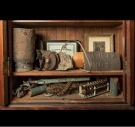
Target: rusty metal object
<point>22,89</point>
<point>66,61</point>
<point>47,59</point>
<point>102,61</point>
<point>60,89</point>
<point>23,49</point>
<point>94,88</point>
<point>64,90</point>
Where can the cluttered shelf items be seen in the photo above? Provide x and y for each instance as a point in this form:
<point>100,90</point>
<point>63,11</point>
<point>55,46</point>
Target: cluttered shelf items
<point>25,53</point>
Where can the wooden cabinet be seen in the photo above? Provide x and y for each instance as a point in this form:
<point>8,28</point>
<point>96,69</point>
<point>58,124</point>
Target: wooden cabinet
<point>123,31</point>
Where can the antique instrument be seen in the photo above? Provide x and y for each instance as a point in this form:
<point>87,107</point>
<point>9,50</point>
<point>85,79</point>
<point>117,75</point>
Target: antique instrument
<point>94,88</point>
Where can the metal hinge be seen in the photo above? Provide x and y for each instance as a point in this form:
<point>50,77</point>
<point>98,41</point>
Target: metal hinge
<point>126,67</point>
<point>7,67</point>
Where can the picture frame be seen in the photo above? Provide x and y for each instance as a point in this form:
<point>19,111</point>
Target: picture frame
<point>99,42</point>
<point>56,45</point>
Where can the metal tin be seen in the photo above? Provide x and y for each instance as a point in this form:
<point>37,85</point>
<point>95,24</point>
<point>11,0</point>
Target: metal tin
<point>23,49</point>
<point>114,86</point>
<point>38,90</point>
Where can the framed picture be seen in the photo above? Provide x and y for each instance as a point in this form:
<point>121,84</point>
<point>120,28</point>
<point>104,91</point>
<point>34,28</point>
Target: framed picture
<point>56,45</point>
<point>99,42</point>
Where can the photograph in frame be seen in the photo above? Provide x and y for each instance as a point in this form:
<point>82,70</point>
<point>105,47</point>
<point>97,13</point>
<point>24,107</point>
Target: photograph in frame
<point>56,45</point>
<point>99,42</point>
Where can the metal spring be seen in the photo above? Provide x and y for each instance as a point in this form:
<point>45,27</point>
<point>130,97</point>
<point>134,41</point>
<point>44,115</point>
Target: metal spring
<point>94,87</point>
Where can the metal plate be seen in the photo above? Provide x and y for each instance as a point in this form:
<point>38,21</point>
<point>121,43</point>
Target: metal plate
<point>102,61</point>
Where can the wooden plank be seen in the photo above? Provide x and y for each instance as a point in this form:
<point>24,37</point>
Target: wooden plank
<point>130,33</point>
<point>51,33</point>
<point>93,30</point>
<point>3,54</point>
<point>72,98</point>
<point>43,23</point>
<point>70,33</point>
<point>40,33</point>
<point>68,107</point>
<point>67,73</point>
<point>80,36</point>
<point>85,21</point>
<point>12,67</point>
<point>61,33</point>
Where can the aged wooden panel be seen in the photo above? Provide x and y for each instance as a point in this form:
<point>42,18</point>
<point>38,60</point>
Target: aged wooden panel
<point>12,67</point>
<point>119,44</point>
<point>80,36</point>
<point>40,33</point>
<point>61,33</point>
<point>130,58</point>
<point>3,63</point>
<point>84,23</point>
<point>68,107</point>
<point>51,33</point>
<point>67,73</point>
<point>93,30</point>
<point>70,33</point>
<point>71,98</point>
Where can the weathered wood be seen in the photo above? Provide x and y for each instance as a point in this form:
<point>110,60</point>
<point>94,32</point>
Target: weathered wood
<point>84,23</point>
<point>130,50</point>
<point>12,67</point>
<point>68,107</point>
<point>3,64</point>
<point>67,73</point>
<point>61,33</point>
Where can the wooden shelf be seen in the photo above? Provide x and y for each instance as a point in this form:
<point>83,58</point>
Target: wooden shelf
<point>60,23</point>
<point>73,98</point>
<point>67,73</point>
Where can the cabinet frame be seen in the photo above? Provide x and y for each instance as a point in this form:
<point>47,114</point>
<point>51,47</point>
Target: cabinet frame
<point>6,50</point>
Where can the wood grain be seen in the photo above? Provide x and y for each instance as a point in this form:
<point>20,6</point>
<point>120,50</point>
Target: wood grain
<point>130,50</point>
<point>3,68</point>
<point>67,73</point>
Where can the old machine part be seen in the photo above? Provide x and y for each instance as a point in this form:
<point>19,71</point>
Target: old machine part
<point>37,90</point>
<point>59,80</point>
<point>66,61</point>
<point>22,89</point>
<point>48,60</point>
<point>34,89</point>
<point>114,86</point>
<point>23,49</point>
<point>60,89</point>
<point>94,88</point>
<point>100,61</point>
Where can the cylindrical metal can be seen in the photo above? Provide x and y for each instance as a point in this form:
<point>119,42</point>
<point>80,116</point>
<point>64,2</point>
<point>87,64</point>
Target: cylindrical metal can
<point>23,49</point>
<point>114,86</point>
